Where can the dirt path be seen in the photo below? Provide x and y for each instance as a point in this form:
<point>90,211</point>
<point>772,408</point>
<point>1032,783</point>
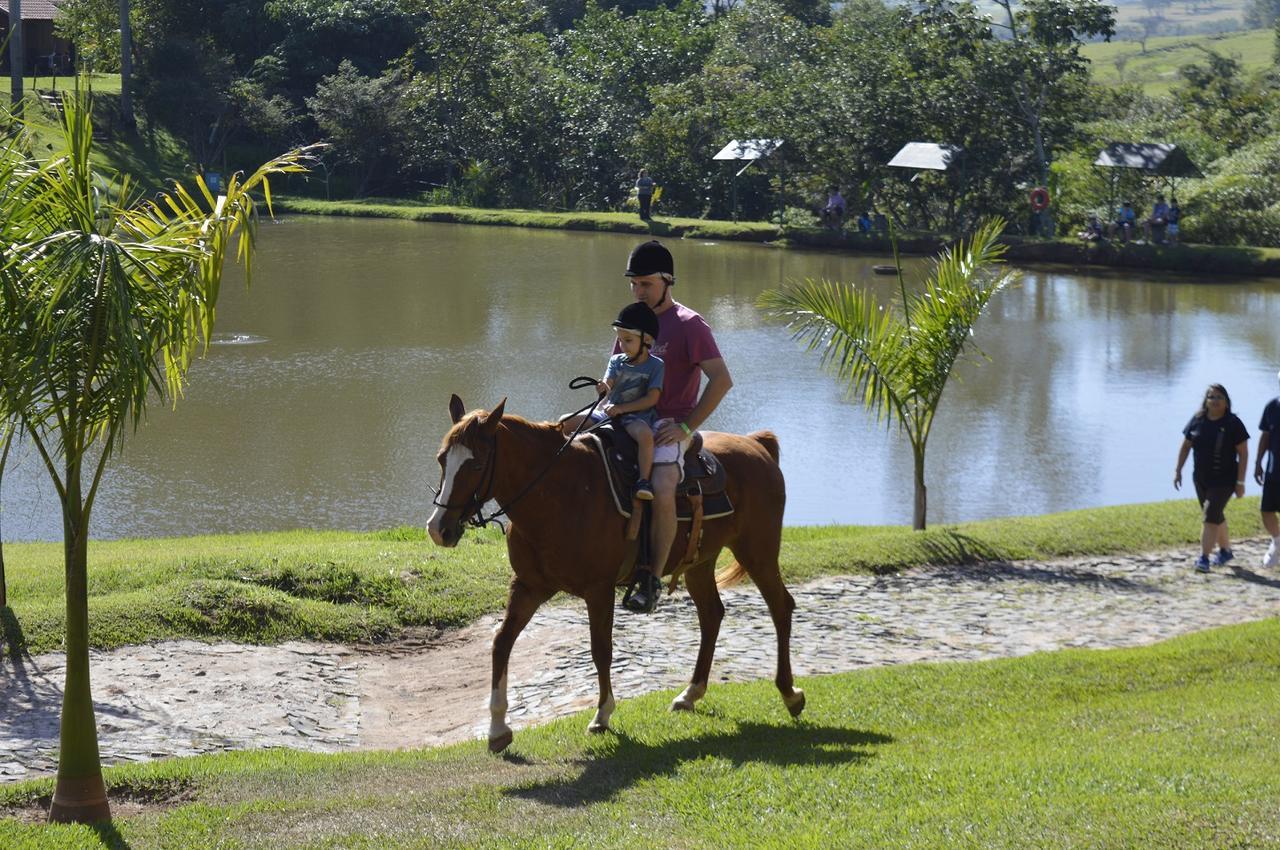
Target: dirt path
<point>186,697</point>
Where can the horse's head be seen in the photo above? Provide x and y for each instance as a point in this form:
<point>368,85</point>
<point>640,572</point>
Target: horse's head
<point>468,460</point>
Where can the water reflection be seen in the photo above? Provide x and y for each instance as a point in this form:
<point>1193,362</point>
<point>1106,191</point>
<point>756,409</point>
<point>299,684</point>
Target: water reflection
<point>360,330</point>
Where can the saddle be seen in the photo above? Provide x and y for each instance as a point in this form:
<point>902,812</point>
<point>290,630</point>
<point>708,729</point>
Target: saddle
<point>703,474</point>
<point>700,496</point>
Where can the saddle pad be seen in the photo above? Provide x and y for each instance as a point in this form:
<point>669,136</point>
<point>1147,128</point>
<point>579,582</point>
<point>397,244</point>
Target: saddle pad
<point>714,505</point>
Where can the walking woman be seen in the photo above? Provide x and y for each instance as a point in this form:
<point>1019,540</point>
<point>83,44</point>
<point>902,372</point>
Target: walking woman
<point>1220,446</point>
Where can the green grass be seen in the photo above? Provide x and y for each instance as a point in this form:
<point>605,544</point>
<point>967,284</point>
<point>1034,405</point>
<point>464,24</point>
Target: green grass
<point>1169,746</point>
<point>615,222</point>
<point>348,586</point>
<point>1156,71</point>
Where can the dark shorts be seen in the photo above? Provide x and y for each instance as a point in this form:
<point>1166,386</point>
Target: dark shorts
<point>1271,494</point>
<point>1212,499</point>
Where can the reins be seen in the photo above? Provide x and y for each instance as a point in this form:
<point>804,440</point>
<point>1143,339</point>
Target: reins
<point>474,506</point>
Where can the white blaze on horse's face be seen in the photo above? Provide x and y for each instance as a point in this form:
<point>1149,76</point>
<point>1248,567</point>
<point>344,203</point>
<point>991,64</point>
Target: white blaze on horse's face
<point>454,459</point>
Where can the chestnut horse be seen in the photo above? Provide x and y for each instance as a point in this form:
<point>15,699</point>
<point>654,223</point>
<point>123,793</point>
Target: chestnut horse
<point>566,536</point>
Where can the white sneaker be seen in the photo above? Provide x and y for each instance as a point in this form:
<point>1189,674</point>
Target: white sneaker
<point>1272,557</point>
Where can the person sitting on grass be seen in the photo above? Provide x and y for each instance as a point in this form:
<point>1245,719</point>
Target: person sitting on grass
<point>1092,231</point>
<point>633,383</point>
<point>1125,223</point>
<point>1159,218</point>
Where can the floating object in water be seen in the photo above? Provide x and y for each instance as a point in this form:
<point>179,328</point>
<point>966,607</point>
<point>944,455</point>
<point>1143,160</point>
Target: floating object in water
<point>885,269</point>
<point>236,339</point>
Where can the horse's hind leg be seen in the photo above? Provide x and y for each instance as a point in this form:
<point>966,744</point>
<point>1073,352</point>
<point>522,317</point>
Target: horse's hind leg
<point>521,604</point>
<point>701,583</point>
<point>600,615</point>
<point>767,577</point>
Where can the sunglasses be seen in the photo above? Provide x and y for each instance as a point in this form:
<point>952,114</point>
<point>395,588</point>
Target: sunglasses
<point>1215,398</point>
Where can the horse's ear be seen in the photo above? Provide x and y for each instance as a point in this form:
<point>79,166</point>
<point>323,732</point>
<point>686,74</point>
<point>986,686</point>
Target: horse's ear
<point>456,409</point>
<point>489,421</point>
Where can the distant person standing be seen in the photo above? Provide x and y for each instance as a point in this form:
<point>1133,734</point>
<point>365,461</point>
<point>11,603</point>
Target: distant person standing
<point>1221,445</point>
<point>644,192</point>
<point>1171,229</point>
<point>1269,477</point>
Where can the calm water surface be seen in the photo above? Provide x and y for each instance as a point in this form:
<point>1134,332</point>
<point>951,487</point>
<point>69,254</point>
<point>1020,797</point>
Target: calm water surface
<point>326,402</point>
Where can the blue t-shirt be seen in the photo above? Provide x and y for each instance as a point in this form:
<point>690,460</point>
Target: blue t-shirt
<point>632,382</point>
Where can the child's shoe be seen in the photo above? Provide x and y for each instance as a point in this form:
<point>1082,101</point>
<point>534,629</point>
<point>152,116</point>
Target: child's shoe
<point>1202,564</point>
<point>1224,555</point>
<point>643,490</point>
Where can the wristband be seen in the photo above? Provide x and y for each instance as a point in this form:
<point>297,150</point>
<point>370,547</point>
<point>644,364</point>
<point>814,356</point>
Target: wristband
<point>685,428</point>
<point>1239,483</point>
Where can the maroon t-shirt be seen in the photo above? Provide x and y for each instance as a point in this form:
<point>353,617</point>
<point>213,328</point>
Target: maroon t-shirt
<point>684,342</point>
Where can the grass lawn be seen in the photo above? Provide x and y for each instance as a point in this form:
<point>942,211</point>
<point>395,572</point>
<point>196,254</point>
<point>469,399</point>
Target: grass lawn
<point>615,222</point>
<point>1169,746</point>
<point>348,586</point>
<point>1157,70</point>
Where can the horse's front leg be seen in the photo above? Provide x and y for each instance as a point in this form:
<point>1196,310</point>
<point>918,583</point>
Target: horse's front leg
<point>600,615</point>
<point>521,604</point>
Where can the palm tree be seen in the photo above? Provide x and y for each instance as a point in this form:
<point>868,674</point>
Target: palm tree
<point>899,364</point>
<point>104,300</point>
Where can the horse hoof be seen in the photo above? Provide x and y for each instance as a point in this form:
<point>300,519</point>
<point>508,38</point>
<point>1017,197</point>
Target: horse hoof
<point>682,705</point>
<point>598,728</point>
<point>500,743</point>
<point>796,704</point>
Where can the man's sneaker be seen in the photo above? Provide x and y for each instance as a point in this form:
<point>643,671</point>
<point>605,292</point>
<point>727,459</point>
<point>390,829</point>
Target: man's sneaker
<point>643,490</point>
<point>1202,564</point>
<point>1272,557</point>
<point>1224,555</point>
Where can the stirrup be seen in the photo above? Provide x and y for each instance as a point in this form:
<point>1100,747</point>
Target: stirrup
<point>647,587</point>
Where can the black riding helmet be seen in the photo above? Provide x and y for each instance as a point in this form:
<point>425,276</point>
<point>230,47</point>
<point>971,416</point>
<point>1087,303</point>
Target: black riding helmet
<point>650,257</point>
<point>638,318</point>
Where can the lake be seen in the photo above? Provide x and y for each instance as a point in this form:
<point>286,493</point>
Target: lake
<point>324,401</point>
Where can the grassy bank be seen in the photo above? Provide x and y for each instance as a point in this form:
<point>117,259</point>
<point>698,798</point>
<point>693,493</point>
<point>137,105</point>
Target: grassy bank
<point>348,587</point>
<point>1170,746</point>
<point>1205,259</point>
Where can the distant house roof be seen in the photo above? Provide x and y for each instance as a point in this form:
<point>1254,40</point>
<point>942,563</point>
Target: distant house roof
<point>748,149</point>
<point>926,155</point>
<point>33,10</point>
<point>1158,160</point>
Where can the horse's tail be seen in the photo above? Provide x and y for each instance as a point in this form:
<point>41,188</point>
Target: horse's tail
<point>769,440</point>
<point>731,574</point>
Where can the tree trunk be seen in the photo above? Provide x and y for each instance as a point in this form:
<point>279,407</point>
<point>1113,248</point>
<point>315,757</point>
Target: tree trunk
<point>80,795</point>
<point>16,52</point>
<point>918,515</point>
<point>127,120</point>
<point>4,459</point>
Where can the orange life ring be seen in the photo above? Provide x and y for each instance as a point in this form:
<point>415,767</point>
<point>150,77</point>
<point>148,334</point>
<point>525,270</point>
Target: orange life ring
<point>1039,199</point>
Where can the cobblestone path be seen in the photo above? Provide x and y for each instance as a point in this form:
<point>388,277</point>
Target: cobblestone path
<point>185,697</point>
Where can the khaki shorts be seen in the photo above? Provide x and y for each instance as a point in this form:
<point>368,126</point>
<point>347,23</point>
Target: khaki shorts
<point>672,452</point>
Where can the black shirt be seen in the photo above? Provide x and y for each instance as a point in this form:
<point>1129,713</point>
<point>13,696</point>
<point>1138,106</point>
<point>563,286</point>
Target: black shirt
<point>1271,422</point>
<point>1213,443</point>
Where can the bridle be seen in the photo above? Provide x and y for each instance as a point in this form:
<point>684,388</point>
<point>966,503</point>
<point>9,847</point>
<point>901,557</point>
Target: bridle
<point>473,508</point>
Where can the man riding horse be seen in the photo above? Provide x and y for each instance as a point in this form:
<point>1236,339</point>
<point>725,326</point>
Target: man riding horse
<point>688,349</point>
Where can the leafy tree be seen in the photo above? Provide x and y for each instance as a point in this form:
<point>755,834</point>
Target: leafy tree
<point>898,365</point>
<point>104,300</point>
<point>357,115</point>
<point>91,25</point>
<point>1042,58</point>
